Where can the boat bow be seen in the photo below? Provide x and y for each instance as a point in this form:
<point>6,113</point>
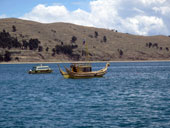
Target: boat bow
<point>65,74</point>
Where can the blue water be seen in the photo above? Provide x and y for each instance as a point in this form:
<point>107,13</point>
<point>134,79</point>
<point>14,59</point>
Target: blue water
<point>130,95</point>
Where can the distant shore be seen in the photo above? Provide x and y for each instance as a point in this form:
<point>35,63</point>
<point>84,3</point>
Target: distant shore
<point>126,61</point>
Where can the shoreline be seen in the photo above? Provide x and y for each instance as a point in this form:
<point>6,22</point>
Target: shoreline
<point>123,61</point>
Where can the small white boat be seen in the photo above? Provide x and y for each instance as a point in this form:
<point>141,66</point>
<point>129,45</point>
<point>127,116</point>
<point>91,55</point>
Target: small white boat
<point>40,69</point>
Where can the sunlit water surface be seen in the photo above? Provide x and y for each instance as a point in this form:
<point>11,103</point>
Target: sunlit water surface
<point>130,95</point>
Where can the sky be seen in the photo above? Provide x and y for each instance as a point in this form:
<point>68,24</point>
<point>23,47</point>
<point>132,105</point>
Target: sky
<point>139,17</point>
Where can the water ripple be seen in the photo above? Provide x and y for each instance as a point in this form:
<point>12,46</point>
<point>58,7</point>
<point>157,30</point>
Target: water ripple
<point>130,95</point>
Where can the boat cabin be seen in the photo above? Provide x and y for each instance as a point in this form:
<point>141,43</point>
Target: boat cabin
<point>40,68</point>
<point>76,67</point>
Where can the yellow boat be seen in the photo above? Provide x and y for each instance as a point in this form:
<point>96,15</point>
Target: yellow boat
<point>40,69</point>
<point>82,71</point>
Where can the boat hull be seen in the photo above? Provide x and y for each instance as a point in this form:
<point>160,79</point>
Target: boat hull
<point>75,75</point>
<point>80,76</point>
<point>40,72</point>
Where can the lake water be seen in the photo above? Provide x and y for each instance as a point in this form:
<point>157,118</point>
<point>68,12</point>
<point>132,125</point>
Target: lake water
<point>130,95</point>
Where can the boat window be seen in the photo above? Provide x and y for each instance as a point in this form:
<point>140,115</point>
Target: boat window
<point>43,68</point>
<point>87,69</point>
<point>74,69</point>
<point>84,70</point>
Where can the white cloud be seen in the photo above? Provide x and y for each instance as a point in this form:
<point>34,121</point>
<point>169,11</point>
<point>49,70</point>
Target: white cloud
<point>47,14</point>
<point>149,2</point>
<point>80,17</point>
<point>3,16</point>
<point>138,10</point>
<point>104,12</point>
<point>163,10</point>
<point>136,17</point>
<point>142,25</point>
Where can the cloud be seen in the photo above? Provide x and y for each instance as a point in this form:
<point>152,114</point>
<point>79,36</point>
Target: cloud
<point>149,2</point>
<point>163,10</point>
<point>143,17</point>
<point>3,16</point>
<point>47,14</point>
<point>143,25</point>
<point>138,10</point>
<point>105,13</point>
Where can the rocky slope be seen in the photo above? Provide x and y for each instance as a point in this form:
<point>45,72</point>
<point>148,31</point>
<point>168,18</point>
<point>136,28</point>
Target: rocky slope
<point>27,41</point>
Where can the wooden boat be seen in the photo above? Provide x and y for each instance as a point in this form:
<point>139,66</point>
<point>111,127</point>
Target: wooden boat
<point>40,69</point>
<point>82,71</point>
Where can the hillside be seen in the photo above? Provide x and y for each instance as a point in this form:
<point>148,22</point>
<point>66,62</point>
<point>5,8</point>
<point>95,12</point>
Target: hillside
<point>27,41</point>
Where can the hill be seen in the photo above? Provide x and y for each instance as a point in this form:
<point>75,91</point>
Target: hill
<point>28,41</point>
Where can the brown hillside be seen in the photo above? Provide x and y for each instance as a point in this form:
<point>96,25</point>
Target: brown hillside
<point>115,46</point>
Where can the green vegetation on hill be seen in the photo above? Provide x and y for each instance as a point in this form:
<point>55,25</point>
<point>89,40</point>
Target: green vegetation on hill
<point>9,42</point>
<point>6,41</point>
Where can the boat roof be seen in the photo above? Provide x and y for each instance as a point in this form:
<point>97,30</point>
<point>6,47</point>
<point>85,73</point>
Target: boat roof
<point>41,66</point>
<point>81,65</point>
